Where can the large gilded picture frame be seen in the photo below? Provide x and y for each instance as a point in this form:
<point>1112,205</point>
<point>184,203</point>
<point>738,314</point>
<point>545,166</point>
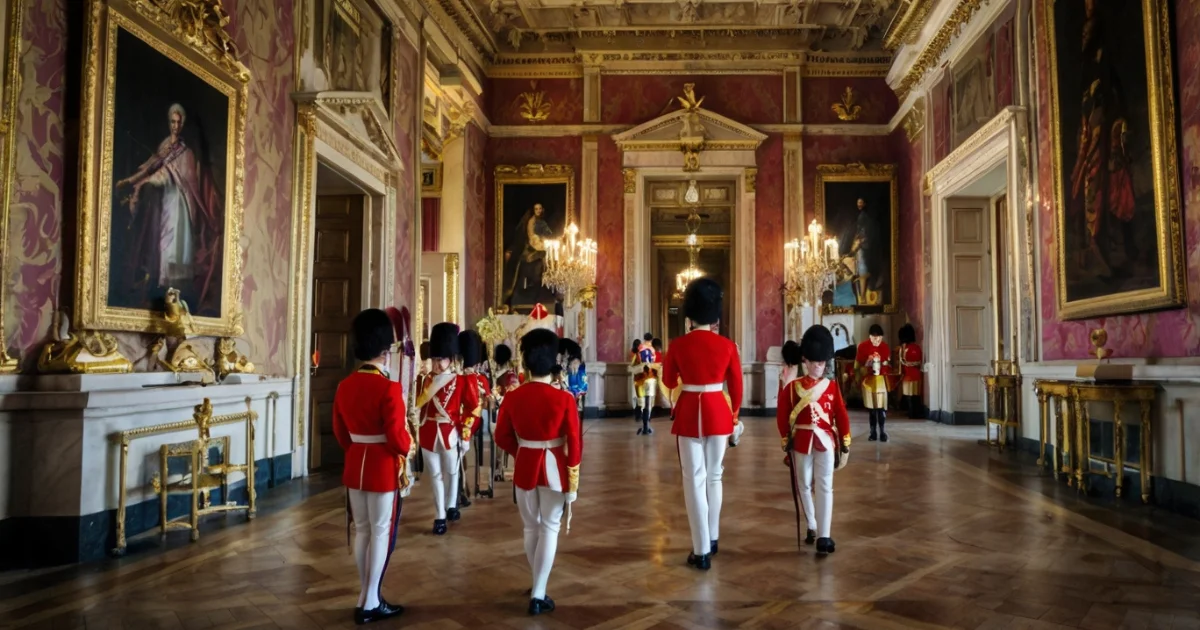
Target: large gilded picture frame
<point>859,205</point>
<point>533,203</point>
<point>1118,224</point>
<point>162,168</point>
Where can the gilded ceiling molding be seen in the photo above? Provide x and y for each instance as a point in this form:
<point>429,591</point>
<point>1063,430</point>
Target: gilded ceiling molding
<point>690,62</point>
<point>931,55</point>
<point>906,28</point>
<point>553,131</point>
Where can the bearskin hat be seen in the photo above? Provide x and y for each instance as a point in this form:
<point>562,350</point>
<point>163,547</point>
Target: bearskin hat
<point>424,350</point>
<point>876,330</point>
<point>503,354</point>
<point>817,344</point>
<point>570,350</point>
<point>908,334</point>
<point>791,353</point>
<point>539,351</point>
<point>702,301</point>
<point>443,341</point>
<point>470,346</point>
<point>373,334</point>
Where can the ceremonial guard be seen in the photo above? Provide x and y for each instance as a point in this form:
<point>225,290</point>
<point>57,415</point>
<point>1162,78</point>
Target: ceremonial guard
<point>572,355</point>
<point>506,381</point>
<point>703,361</point>
<point>540,427</point>
<point>873,356</point>
<point>815,429</point>
<point>369,423</point>
<point>424,359</point>
<point>450,408</point>
<point>474,370</point>
<point>911,362</point>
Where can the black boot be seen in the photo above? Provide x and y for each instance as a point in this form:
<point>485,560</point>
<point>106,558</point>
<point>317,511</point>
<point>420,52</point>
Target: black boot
<point>824,546</point>
<point>871,415</point>
<point>712,548</point>
<point>384,611</point>
<point>452,514</point>
<point>539,606</point>
<point>810,537</point>
<point>703,563</point>
<point>883,436</point>
<point>439,527</point>
<point>463,500</point>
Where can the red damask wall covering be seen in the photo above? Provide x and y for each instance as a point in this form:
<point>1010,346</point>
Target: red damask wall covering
<point>474,269</point>
<point>819,94</point>
<point>838,150</point>
<point>635,99</point>
<point>768,248</point>
<point>564,97</point>
<point>610,263</point>
<point>405,121</point>
<point>1165,334</point>
<point>910,253</point>
<point>39,284</point>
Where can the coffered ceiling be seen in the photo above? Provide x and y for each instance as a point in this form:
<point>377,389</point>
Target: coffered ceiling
<point>536,26</point>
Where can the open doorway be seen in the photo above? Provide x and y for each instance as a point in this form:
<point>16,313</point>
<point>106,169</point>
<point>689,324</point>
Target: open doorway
<point>337,296</point>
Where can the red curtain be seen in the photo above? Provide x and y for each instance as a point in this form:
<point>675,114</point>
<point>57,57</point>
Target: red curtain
<point>430,215</point>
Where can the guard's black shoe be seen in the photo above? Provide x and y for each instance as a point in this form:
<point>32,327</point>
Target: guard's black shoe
<point>712,547</point>
<point>810,538</point>
<point>873,436</point>
<point>640,431</point>
<point>883,436</point>
<point>464,501</point>
<point>439,527</point>
<point>452,514</point>
<point>384,611</point>
<point>703,563</point>
<point>539,606</point>
<point>649,431</point>
<point>824,546</point>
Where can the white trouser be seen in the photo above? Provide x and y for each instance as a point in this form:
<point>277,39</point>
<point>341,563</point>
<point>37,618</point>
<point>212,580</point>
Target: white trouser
<point>541,511</point>
<point>702,460</point>
<point>820,516</point>
<point>372,513</point>
<point>442,464</point>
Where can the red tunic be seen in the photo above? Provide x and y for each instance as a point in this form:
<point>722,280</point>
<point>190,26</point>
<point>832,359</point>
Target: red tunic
<point>458,397</point>
<point>867,352</point>
<point>910,360</point>
<point>369,424</point>
<point>835,413</point>
<point>703,357</point>
<point>482,387</point>
<point>539,412</point>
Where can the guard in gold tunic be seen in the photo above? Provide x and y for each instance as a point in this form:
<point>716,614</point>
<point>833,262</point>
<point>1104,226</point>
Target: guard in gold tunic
<point>873,356</point>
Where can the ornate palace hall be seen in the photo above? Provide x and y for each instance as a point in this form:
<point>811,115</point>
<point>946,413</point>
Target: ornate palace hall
<point>931,534</point>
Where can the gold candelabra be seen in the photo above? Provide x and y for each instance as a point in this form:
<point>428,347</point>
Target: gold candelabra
<point>570,265</point>
<point>809,265</point>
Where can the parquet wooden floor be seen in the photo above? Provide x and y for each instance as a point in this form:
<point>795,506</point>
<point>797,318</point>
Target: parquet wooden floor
<point>925,540</point>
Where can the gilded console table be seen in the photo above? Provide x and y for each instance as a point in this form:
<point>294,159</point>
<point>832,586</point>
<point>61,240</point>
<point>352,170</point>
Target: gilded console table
<point>1118,395</point>
<point>1050,392</point>
<point>1003,406</point>
<point>201,420</point>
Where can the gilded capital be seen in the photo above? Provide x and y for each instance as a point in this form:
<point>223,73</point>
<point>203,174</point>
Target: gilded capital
<point>630,176</point>
<point>751,179</point>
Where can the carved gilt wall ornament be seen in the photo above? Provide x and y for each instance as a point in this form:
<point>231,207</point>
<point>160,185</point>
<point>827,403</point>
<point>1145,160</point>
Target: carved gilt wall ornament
<point>931,55</point>
<point>692,135</point>
<point>89,352</point>
<point>200,24</point>
<point>534,106</point>
<point>229,360</point>
<point>751,179</point>
<point>630,177</point>
<point>460,116</point>
<point>847,110</point>
<point>914,120</point>
<point>187,357</point>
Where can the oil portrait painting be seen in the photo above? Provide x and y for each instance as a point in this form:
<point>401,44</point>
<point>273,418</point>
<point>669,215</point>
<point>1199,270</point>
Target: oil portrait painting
<point>529,211</point>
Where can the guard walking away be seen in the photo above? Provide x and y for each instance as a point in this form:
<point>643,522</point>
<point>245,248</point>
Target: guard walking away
<point>538,424</point>
<point>446,400</point>
<point>815,429</point>
<point>369,423</point>
<point>705,363</point>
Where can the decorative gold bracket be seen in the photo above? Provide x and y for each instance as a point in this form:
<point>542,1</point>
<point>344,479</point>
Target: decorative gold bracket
<point>847,110</point>
<point>534,106</point>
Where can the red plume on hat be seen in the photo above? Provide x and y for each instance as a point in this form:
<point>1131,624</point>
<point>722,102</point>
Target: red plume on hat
<point>538,312</point>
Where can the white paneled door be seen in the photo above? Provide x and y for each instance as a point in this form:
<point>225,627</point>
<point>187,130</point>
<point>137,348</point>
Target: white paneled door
<point>971,308</point>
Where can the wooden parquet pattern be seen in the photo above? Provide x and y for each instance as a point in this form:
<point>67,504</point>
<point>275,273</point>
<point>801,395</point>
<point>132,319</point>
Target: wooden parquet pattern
<point>925,540</point>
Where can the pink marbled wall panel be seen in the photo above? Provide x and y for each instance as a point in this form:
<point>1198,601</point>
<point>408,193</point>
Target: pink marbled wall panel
<point>610,238</point>
<point>877,100</point>
<point>405,123</point>
<point>565,97</point>
<point>1002,60</point>
<point>263,30</point>
<point>768,247</point>
<point>517,152</point>
<point>34,253</point>
<point>910,254</point>
<point>634,99</point>
<point>838,150</point>
<point>1158,335</point>
<point>474,272</point>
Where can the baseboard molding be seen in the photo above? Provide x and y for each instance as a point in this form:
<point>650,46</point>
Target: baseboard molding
<point>957,418</point>
<point>594,413</point>
<point>43,541</point>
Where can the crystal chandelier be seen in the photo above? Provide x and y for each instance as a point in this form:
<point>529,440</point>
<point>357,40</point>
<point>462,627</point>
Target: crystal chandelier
<point>570,265</point>
<point>809,267</point>
<point>693,271</point>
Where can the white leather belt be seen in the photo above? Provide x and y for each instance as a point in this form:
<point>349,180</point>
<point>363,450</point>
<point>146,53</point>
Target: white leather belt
<point>702,389</point>
<point>368,439</point>
<point>543,444</point>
